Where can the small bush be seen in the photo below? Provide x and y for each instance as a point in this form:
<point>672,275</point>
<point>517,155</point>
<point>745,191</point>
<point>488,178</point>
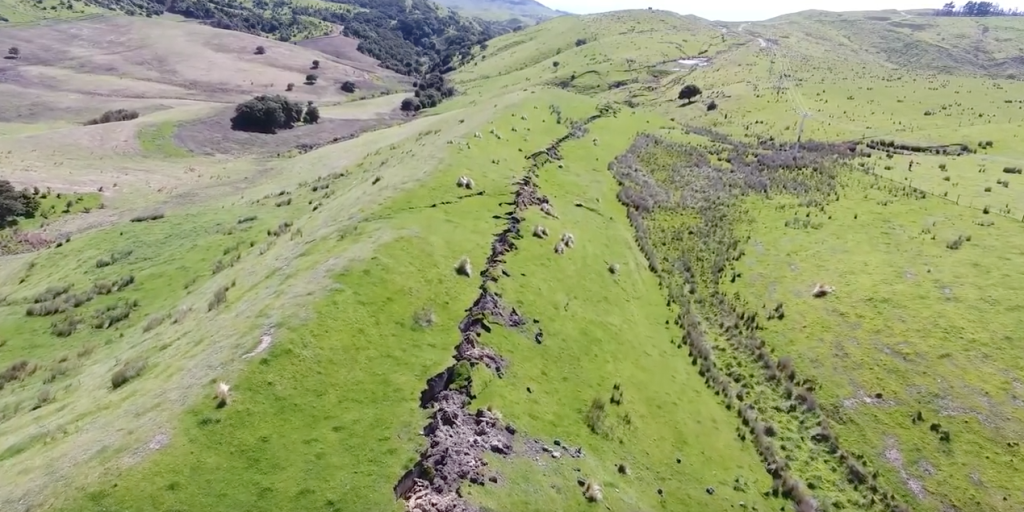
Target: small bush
<point>312,78</point>
<point>44,397</point>
<point>311,115</point>
<point>956,243</point>
<point>1012,170</point>
<point>348,86</point>
<point>290,87</point>
<point>260,50</point>
<point>128,371</point>
<point>107,261</point>
<point>113,116</point>
<point>64,327</point>
<point>316,65</point>
<point>146,217</point>
<point>247,219</point>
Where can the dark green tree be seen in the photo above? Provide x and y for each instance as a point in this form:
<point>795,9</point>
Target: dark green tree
<point>349,86</point>
<point>266,114</point>
<point>689,92</point>
<point>15,203</point>
<point>312,114</point>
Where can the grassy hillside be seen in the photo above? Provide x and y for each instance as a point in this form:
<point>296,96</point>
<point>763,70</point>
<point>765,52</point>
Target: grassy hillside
<point>564,285</point>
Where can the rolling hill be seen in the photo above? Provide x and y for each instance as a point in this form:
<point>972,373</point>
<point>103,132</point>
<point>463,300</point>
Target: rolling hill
<point>636,262</point>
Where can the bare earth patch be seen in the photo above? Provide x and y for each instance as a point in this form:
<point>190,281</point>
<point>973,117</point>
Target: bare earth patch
<point>214,136</point>
<point>893,456</point>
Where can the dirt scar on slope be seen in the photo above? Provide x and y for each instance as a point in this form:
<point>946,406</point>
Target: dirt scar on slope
<point>266,339</point>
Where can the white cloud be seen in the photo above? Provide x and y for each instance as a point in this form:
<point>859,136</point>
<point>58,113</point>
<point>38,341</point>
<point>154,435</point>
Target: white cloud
<point>741,10</point>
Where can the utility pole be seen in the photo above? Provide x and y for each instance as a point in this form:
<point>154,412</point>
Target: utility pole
<point>800,129</point>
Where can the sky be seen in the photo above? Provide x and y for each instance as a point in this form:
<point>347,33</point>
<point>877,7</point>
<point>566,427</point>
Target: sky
<point>747,10</point>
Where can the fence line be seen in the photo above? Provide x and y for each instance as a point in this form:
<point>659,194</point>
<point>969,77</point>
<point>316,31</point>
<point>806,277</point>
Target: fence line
<point>956,201</point>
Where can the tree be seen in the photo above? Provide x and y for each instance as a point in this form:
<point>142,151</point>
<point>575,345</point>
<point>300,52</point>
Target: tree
<point>581,42</point>
<point>316,64</point>
<point>260,50</point>
<point>14,51</point>
<point>689,92</point>
<point>312,114</point>
<point>311,78</point>
<point>266,114</point>
<point>712,106</point>
<point>15,203</point>
<point>411,105</point>
<point>349,86</point>
<point>556,64</point>
<point>290,87</point>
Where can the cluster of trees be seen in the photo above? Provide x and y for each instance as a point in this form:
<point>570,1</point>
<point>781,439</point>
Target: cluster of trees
<point>268,114</point>
<point>977,9</point>
<point>16,204</point>
<point>430,91</point>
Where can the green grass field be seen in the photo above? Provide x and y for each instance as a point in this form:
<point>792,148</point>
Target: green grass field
<point>715,382</point>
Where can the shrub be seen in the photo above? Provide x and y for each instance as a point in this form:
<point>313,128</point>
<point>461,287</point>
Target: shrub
<point>260,50</point>
<point>113,116</point>
<point>311,78</point>
<point>266,114</point>
<point>1012,170</point>
<point>107,261</point>
<point>688,92</point>
<point>312,115</point>
<point>113,314</point>
<point>411,105</point>
<point>581,42</point>
<point>14,51</point>
<point>128,371</point>
<point>316,65</point>
<point>349,86</point>
<point>290,87</point>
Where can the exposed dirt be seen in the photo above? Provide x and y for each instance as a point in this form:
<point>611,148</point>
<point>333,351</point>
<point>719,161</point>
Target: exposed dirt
<point>266,339</point>
<point>457,439</point>
<point>345,50</point>
<point>214,136</point>
<point>893,456</point>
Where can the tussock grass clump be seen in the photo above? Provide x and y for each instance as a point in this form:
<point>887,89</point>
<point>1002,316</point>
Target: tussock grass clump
<point>113,258</point>
<point>613,268</point>
<point>65,327</point>
<point>114,314</point>
<point>597,416</point>
<point>146,217</point>
<point>425,317</point>
<point>220,296</point>
<point>464,267</point>
<point>16,371</point>
<point>51,292</point>
<point>247,219</point>
<point>128,371</point>
<point>43,397</point>
<point>560,247</point>
<point>957,242</point>
<point>114,116</point>
<point>568,240</point>
<point>540,231</point>
<point>153,322</point>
